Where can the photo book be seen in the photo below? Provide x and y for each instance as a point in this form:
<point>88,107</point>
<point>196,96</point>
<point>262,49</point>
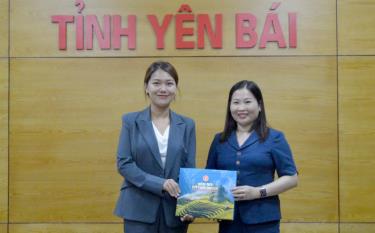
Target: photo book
<point>206,193</point>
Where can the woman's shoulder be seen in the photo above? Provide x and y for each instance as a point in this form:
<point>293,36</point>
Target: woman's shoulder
<point>130,116</point>
<point>187,120</point>
<point>275,135</point>
<point>217,138</point>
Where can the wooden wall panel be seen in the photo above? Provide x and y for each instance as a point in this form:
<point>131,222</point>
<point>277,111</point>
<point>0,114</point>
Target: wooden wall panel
<point>32,19</point>
<point>66,119</point>
<point>356,27</point>
<point>66,228</point>
<point>3,228</point>
<point>92,228</point>
<point>351,228</point>
<point>193,228</point>
<point>302,103</point>
<point>309,228</point>
<point>4,28</point>
<point>357,134</point>
<point>203,228</point>
<point>3,140</point>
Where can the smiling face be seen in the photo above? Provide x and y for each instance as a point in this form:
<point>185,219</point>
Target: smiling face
<point>161,89</point>
<point>244,107</point>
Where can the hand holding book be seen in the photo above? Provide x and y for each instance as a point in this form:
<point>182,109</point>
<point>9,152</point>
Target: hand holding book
<point>171,187</point>
<point>245,193</point>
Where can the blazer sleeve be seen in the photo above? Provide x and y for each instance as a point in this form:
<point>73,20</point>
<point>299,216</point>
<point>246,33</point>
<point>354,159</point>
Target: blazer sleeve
<point>212,153</point>
<point>282,156</point>
<point>191,147</point>
<point>128,168</point>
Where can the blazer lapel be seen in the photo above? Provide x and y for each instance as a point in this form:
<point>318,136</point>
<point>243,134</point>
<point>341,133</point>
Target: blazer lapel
<point>232,140</point>
<point>175,141</point>
<point>253,138</point>
<point>145,127</point>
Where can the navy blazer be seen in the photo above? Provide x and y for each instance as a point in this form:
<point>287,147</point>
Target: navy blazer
<point>255,163</point>
<point>139,162</point>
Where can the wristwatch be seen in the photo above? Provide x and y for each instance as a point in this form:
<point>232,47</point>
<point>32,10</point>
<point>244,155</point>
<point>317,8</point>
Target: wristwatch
<point>263,192</point>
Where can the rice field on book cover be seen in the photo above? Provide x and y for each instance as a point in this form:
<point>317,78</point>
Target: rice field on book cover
<point>205,193</point>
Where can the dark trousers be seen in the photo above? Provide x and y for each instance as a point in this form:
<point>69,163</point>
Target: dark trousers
<point>237,226</point>
<point>159,226</point>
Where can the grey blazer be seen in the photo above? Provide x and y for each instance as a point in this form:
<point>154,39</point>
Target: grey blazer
<point>139,162</point>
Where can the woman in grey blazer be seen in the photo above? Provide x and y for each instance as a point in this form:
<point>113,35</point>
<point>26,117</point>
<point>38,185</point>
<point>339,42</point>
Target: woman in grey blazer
<point>154,144</point>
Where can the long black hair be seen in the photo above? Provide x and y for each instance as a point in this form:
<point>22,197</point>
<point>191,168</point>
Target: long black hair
<point>259,125</point>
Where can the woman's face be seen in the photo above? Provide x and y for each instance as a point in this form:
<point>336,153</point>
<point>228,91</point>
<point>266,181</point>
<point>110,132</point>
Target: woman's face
<point>161,89</point>
<point>244,107</point>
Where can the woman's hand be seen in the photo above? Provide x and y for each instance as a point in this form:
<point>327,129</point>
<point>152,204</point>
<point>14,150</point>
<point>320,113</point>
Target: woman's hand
<point>245,193</point>
<point>171,187</point>
<point>187,218</point>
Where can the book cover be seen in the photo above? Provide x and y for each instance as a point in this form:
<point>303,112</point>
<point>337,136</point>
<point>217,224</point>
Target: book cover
<point>205,193</point>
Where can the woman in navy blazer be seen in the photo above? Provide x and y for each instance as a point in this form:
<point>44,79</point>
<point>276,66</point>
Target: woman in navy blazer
<point>248,146</point>
<point>154,144</point>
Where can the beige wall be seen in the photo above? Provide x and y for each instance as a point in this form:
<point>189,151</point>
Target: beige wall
<point>4,61</point>
<point>4,28</point>
<point>65,109</point>
<point>356,27</point>
<point>356,114</point>
<point>357,131</point>
<point>3,140</point>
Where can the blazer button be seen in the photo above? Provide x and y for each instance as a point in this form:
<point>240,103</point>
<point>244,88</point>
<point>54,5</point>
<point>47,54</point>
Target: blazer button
<point>238,173</point>
<point>238,153</point>
<point>238,162</point>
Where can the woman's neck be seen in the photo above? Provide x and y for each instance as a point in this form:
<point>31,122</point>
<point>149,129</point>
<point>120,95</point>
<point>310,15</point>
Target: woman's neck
<point>243,129</point>
<point>159,113</point>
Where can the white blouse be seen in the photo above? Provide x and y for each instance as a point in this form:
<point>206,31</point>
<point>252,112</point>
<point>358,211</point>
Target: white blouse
<point>162,142</point>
